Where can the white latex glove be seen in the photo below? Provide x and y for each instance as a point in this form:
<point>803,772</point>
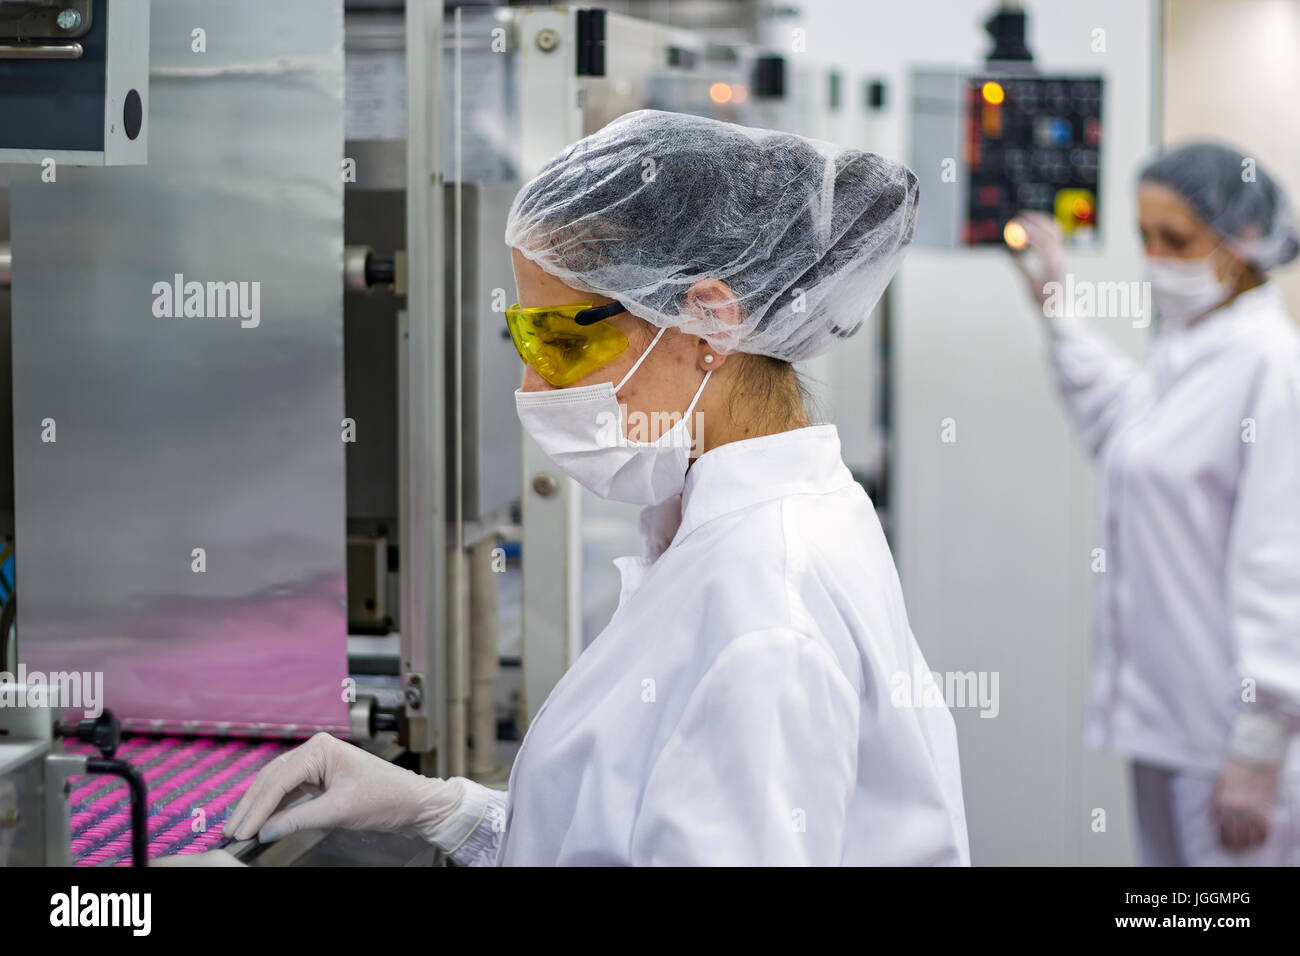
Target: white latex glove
<point>358,791</point>
<point>1245,796</point>
<point>1043,259</point>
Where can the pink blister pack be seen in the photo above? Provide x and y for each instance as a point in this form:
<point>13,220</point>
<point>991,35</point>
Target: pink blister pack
<point>193,785</point>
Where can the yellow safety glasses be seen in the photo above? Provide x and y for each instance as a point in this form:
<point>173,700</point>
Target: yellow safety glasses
<point>565,342</point>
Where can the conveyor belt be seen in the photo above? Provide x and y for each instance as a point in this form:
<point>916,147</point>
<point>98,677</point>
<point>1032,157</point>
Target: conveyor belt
<point>183,776</point>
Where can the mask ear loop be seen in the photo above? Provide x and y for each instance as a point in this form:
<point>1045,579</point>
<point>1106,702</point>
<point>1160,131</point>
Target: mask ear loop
<point>698,392</point>
<point>637,364</point>
<point>691,408</point>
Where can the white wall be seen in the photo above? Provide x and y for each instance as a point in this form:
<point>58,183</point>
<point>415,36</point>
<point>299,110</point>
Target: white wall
<point>1232,73</point>
<point>993,532</point>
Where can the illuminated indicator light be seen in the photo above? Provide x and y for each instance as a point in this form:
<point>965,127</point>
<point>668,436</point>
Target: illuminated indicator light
<point>720,93</point>
<point>992,122</point>
<point>739,94</point>
<point>1014,234</point>
<point>993,93</point>
<point>1075,208</point>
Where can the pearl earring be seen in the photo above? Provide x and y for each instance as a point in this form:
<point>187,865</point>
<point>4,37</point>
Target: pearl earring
<point>708,360</point>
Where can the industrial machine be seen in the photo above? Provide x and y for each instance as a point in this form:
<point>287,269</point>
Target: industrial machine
<point>1002,143</point>
<point>34,825</point>
<point>1005,139</point>
<point>36,774</point>
<point>74,82</point>
<point>178,315</point>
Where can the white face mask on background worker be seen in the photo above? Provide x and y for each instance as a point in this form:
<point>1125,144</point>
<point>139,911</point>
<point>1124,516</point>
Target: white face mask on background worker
<point>1183,290</point>
<point>1204,242</point>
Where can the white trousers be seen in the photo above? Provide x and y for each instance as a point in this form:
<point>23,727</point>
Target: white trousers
<point>1175,827</point>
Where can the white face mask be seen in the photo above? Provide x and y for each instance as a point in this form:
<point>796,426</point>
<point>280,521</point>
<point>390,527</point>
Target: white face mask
<point>581,429</point>
<point>1183,290</point>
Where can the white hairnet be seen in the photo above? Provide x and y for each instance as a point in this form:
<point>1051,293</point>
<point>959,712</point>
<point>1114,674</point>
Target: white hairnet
<point>805,234</point>
<point>1235,196</point>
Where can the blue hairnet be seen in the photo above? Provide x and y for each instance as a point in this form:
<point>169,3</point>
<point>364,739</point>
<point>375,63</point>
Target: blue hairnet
<point>1232,193</point>
<point>806,235</point>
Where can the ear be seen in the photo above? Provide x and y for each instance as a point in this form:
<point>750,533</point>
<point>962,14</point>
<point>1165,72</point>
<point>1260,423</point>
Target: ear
<point>1230,264</point>
<point>712,299</point>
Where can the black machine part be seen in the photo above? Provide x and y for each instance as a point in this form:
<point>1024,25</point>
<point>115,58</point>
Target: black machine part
<point>104,733</point>
<point>1007,28</point>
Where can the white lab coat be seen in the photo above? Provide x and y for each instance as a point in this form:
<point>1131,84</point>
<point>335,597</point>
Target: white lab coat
<point>1200,525</point>
<point>737,708</point>
<point>1176,826</point>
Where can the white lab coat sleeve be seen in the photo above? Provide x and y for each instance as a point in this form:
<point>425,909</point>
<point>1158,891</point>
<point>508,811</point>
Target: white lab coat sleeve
<point>1264,549</point>
<point>1092,375</point>
<point>472,832</point>
<point>762,763</point>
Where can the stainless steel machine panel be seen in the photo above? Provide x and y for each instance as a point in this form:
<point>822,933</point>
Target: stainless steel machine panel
<point>179,472</point>
<point>22,804</point>
<point>491,437</point>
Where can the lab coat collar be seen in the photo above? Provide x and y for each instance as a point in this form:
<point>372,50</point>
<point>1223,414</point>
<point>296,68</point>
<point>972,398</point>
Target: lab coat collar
<point>740,474</point>
<point>1224,323</point>
<point>1175,351</point>
<point>732,477</point>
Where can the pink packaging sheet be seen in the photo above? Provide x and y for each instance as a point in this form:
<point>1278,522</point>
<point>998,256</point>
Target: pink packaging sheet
<point>193,786</point>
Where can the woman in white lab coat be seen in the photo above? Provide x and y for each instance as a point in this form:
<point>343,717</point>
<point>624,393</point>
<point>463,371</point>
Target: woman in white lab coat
<point>758,697</point>
<point>1196,670</point>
